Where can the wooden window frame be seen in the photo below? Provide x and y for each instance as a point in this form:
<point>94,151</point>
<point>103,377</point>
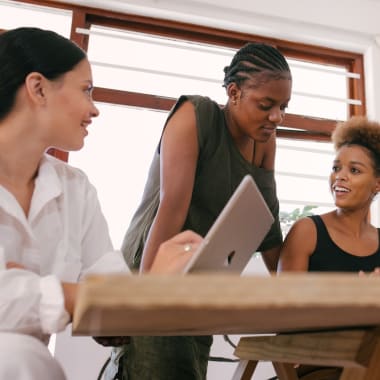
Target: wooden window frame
<point>302,127</point>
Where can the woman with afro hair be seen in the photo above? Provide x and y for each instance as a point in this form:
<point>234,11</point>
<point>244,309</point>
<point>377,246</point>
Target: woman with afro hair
<point>342,240</point>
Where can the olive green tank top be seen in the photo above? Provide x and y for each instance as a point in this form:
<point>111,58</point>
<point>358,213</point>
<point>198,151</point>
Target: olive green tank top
<point>220,169</point>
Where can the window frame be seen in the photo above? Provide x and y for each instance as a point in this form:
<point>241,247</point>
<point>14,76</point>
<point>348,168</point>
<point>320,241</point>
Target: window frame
<point>302,127</point>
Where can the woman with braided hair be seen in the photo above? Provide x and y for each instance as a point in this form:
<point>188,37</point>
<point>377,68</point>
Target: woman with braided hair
<point>204,153</point>
<point>342,240</point>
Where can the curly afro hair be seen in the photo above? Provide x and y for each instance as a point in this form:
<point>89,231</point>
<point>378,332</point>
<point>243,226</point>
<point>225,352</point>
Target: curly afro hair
<point>359,131</point>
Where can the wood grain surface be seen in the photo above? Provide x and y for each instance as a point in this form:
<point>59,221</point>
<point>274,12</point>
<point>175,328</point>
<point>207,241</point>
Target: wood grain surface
<point>200,304</point>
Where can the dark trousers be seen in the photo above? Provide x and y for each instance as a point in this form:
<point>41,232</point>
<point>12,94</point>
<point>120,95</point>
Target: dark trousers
<point>166,358</point>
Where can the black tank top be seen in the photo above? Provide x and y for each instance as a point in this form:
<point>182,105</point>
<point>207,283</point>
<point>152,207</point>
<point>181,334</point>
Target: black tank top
<point>328,257</point>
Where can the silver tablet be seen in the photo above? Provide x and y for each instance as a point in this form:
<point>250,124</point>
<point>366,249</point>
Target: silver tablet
<point>237,232</point>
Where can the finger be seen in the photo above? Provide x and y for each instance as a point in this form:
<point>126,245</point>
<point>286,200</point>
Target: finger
<point>13,265</point>
<point>187,237</point>
<point>376,272</point>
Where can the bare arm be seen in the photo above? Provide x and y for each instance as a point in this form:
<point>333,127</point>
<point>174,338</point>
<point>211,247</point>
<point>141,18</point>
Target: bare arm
<point>179,155</point>
<point>299,244</point>
<point>271,257</point>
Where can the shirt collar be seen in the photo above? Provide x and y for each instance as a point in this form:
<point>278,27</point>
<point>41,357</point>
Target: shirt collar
<point>47,186</point>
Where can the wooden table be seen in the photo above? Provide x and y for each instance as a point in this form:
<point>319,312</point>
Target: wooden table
<point>224,304</point>
<point>329,319</point>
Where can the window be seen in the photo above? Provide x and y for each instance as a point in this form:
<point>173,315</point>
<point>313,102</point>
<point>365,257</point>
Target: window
<point>127,136</point>
<point>15,14</point>
<point>302,169</point>
<point>154,65</point>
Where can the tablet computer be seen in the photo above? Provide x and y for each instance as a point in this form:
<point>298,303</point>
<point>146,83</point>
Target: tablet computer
<point>236,233</point>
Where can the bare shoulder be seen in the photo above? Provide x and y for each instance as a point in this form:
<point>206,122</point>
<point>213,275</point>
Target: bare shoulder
<point>182,123</point>
<point>184,111</point>
<point>303,225</point>
<point>303,230</point>
<point>298,246</point>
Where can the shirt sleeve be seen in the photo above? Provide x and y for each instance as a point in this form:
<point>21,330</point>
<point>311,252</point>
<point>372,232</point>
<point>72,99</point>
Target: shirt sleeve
<point>98,255</point>
<point>31,304</point>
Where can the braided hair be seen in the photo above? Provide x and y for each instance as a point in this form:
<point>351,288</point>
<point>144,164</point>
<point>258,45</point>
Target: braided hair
<point>359,131</point>
<point>256,59</point>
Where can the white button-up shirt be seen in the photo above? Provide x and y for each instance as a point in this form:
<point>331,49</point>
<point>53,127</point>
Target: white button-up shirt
<point>64,237</point>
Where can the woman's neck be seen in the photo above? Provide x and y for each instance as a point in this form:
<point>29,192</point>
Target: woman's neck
<point>18,164</point>
<point>354,222</point>
<point>244,143</point>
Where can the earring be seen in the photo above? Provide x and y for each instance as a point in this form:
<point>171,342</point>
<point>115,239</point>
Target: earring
<point>234,102</point>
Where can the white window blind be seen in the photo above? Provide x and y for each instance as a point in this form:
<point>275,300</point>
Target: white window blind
<point>166,67</point>
<point>14,14</point>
